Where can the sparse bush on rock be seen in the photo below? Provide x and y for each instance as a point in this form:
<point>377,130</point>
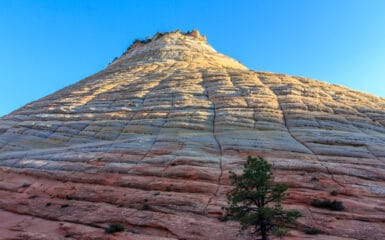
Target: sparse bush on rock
<point>328,204</point>
<point>312,231</point>
<point>334,193</point>
<point>112,228</point>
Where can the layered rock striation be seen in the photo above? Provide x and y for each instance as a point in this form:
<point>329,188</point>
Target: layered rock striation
<point>147,143</point>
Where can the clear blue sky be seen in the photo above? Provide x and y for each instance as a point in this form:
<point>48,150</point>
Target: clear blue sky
<point>47,45</point>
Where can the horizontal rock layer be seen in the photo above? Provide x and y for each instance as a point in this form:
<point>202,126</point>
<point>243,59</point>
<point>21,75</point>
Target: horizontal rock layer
<point>148,142</point>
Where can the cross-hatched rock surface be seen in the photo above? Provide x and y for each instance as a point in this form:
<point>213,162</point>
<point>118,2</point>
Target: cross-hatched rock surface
<point>147,143</point>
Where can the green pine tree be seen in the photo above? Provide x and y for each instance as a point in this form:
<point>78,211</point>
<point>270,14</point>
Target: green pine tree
<point>255,200</point>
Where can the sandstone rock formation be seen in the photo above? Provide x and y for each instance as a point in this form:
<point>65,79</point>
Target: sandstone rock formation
<point>148,142</point>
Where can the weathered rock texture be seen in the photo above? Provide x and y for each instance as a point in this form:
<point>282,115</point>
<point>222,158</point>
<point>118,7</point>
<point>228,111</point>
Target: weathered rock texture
<point>148,143</point>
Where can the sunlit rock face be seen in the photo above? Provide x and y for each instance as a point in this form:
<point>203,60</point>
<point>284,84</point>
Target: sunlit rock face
<point>147,143</point>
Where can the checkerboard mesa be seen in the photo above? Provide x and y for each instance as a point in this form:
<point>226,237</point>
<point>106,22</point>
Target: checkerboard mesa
<point>147,143</point>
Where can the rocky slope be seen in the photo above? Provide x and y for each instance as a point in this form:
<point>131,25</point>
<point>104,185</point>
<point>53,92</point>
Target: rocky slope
<point>148,142</point>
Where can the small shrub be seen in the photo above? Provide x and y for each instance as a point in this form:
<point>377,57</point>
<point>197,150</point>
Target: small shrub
<point>332,205</point>
<point>69,197</point>
<point>113,60</point>
<point>334,193</point>
<point>280,231</point>
<point>145,207</point>
<point>25,185</point>
<point>314,179</point>
<point>312,231</point>
<point>147,40</point>
<point>68,235</point>
<point>158,35</point>
<point>112,228</point>
<point>224,218</point>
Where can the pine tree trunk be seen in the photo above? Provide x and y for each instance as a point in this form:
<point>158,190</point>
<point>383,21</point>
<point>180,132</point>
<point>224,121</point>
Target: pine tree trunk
<point>263,231</point>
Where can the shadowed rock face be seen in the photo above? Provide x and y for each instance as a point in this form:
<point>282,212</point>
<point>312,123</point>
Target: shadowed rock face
<point>148,142</point>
